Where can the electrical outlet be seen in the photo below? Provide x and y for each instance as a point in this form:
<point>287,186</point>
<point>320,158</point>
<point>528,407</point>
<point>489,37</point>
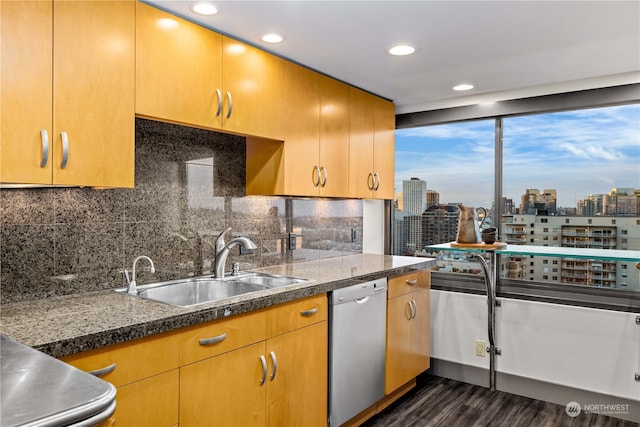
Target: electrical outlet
<point>292,241</point>
<point>481,348</point>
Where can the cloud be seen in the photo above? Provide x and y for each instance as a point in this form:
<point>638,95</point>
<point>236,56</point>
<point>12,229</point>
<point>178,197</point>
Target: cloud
<point>592,152</point>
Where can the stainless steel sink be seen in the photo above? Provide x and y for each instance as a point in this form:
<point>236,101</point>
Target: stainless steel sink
<point>200,290</point>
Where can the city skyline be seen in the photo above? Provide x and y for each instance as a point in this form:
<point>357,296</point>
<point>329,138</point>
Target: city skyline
<point>578,153</point>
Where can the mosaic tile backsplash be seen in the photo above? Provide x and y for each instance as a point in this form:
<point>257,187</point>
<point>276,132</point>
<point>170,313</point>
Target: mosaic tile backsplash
<point>190,186</point>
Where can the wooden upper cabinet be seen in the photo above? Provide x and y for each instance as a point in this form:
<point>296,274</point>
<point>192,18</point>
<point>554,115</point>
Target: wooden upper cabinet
<point>178,69</point>
<point>384,148</point>
<point>334,137</point>
<point>302,173</point>
<point>371,146</point>
<point>68,93</point>
<point>253,90</point>
<point>361,178</point>
<point>26,91</point>
<point>188,74</point>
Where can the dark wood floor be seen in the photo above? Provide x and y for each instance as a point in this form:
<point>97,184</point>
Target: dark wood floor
<point>443,402</point>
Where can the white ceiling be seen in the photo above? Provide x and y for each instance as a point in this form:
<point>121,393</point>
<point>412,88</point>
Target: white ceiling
<point>507,49</point>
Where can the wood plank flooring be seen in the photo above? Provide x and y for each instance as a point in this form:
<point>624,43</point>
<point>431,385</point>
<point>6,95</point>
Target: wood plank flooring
<point>443,402</point>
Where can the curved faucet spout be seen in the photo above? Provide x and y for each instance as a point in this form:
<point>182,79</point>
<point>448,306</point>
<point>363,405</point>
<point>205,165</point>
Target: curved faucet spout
<point>222,251</point>
<point>133,289</point>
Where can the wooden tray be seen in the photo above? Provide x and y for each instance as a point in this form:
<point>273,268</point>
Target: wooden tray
<point>481,245</point>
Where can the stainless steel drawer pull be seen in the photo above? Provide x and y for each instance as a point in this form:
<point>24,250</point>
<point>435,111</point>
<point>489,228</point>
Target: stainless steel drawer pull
<point>275,365</point>
<point>264,369</point>
<point>219,96</point>
<point>45,148</point>
<point>323,170</point>
<point>408,311</point>
<point>310,312</point>
<point>65,150</point>
<point>376,178</point>
<point>213,340</point>
<point>411,282</point>
<point>230,104</point>
<point>315,176</point>
<point>103,371</point>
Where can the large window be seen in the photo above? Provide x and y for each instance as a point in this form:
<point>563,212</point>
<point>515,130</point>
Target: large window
<point>568,179</point>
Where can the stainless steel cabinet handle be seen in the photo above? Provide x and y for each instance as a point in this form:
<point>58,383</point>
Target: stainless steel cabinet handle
<point>230,104</point>
<point>65,150</point>
<point>315,176</point>
<point>376,179</point>
<point>409,314</point>
<point>264,369</point>
<point>414,307</point>
<point>103,371</point>
<point>310,312</point>
<point>370,181</point>
<point>45,148</point>
<point>213,340</point>
<point>275,365</point>
<point>219,95</point>
<point>324,176</point>
<point>411,282</point>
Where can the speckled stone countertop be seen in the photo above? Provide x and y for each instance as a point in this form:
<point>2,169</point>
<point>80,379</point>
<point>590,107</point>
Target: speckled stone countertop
<point>65,325</point>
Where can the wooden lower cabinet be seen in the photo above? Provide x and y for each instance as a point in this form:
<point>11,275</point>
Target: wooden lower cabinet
<point>297,395</point>
<point>224,390</point>
<point>408,325</point>
<point>148,403</point>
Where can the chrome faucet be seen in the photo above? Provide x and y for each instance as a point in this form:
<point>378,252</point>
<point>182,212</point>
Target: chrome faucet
<point>133,289</point>
<point>222,250</point>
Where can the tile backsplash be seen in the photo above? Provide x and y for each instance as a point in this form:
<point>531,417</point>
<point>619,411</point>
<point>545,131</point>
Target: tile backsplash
<point>190,186</point>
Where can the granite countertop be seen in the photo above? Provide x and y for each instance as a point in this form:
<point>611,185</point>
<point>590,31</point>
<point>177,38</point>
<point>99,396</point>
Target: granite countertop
<point>65,325</point>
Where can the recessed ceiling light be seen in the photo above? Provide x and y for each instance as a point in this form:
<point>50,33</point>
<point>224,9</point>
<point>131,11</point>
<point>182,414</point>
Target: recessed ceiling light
<point>401,50</point>
<point>272,38</point>
<point>463,86</point>
<point>204,8</point>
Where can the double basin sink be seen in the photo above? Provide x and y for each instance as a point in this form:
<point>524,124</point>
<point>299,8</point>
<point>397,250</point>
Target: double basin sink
<point>201,290</point>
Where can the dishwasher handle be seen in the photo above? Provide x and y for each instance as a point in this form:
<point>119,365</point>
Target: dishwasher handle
<point>362,300</point>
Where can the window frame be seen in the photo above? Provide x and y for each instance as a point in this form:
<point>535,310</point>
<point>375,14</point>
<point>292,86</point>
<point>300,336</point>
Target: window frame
<point>575,295</point>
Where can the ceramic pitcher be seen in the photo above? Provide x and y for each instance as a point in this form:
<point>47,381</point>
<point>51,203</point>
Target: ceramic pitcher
<point>468,227</point>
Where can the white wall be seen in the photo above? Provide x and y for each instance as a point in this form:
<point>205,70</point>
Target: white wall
<point>584,348</point>
<point>373,226</point>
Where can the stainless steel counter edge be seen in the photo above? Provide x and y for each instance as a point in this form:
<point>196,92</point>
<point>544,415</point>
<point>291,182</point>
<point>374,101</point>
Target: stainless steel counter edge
<point>65,325</point>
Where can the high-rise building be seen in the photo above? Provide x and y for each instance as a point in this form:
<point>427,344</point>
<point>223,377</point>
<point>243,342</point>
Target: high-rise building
<point>433,198</point>
<point>439,224</point>
<point>597,232</point>
<point>414,196</point>
<point>542,202</point>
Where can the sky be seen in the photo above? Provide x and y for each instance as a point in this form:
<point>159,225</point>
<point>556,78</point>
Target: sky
<point>577,153</point>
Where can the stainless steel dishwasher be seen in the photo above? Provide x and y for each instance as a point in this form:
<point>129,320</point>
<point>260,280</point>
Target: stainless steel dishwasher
<point>358,316</point>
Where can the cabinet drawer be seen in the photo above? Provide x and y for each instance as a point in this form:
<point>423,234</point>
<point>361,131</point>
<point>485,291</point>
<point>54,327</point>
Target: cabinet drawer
<point>220,336</point>
<point>296,314</point>
<point>131,361</point>
<point>151,402</point>
<point>400,285</point>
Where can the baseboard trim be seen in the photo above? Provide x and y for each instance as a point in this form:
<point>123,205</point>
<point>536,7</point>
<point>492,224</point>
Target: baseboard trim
<point>535,389</point>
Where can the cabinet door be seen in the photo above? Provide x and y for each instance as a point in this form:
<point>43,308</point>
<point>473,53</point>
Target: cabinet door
<point>178,69</point>
<point>93,88</point>
<point>297,394</point>
<point>384,148</point>
<point>26,88</point>
<point>420,335</point>
<point>399,366</point>
<point>254,80</point>
<point>302,132</point>
<point>361,178</point>
<point>334,137</point>
<point>149,402</point>
<point>224,390</point>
